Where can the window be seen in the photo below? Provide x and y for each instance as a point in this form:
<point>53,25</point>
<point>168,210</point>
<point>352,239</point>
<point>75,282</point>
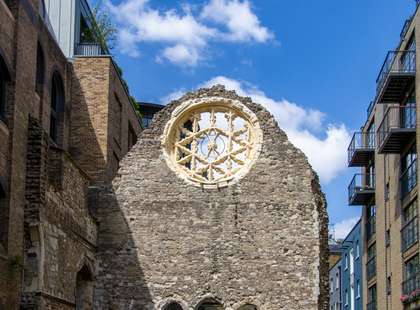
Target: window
<point>370,221</point>
<point>337,281</point>
<point>84,289</point>
<point>388,285</point>
<point>119,120</point>
<point>371,262</point>
<point>4,79</point>
<point>132,137</point>
<point>40,69</point>
<point>386,193</point>
<point>346,298</point>
<point>371,302</point>
<point>387,238</point>
<point>358,289</point>
<point>3,218</point>
<point>411,275</point>
<point>173,306</point>
<point>346,264</point>
<point>210,304</point>
<point>248,307</point>
<point>357,249</point>
<point>332,285</point>
<point>408,171</point>
<point>57,103</point>
<point>410,226</point>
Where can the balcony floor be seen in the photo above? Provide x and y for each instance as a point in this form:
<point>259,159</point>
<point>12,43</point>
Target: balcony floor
<point>395,87</point>
<point>361,197</point>
<point>395,140</point>
<point>361,157</point>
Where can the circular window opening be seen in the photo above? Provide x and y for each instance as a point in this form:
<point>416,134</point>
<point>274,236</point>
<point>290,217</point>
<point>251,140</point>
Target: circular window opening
<point>213,144</point>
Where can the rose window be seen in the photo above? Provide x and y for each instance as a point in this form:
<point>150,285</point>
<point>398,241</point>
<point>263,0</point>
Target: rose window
<point>213,144</point>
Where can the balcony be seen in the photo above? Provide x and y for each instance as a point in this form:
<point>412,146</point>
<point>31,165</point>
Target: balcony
<point>396,75</point>
<point>361,149</point>
<point>371,268</point>
<point>361,189</point>
<point>408,179</point>
<point>90,49</point>
<point>398,126</point>
<point>370,108</point>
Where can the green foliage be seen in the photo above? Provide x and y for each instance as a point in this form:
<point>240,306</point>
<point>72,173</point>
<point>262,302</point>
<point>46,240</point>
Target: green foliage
<point>103,30</point>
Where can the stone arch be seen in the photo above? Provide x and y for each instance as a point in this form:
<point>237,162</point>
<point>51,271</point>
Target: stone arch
<point>84,288</point>
<point>172,303</point>
<point>57,106</point>
<point>209,303</point>
<point>248,306</point>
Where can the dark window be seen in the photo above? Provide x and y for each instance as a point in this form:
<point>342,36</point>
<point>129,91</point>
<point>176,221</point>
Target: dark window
<point>57,103</point>
<point>4,79</point>
<point>3,218</point>
<point>411,275</point>
<point>371,302</point>
<point>119,120</point>
<point>371,262</point>
<point>387,238</point>
<point>173,306</point>
<point>210,304</point>
<point>410,226</point>
<point>84,289</point>
<point>132,137</point>
<point>248,307</point>
<point>388,285</point>
<point>40,70</point>
<point>408,171</point>
<point>370,221</point>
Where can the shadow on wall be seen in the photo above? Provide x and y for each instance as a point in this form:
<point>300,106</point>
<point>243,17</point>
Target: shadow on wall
<point>120,282</point>
<point>85,149</point>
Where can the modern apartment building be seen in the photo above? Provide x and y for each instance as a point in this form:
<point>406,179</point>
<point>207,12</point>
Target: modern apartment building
<point>386,186</point>
<point>335,286</point>
<point>352,268</point>
<point>64,126</point>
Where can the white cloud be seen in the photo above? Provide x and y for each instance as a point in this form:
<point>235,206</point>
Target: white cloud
<point>342,228</point>
<point>324,145</point>
<point>185,36</point>
<point>238,18</point>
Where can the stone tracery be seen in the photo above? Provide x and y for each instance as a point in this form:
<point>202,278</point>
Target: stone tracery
<point>213,143</point>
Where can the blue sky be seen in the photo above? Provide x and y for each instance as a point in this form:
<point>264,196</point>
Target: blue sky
<point>312,63</point>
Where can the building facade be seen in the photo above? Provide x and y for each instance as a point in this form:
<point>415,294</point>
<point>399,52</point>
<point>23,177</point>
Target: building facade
<point>148,111</point>
<point>213,209</point>
<point>63,131</point>
<point>386,151</point>
<point>352,270</point>
<point>335,286</point>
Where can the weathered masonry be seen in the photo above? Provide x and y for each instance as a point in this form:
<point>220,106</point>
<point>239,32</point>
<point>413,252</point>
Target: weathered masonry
<point>213,208</point>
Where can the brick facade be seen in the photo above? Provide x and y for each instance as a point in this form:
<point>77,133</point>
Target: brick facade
<point>47,232</point>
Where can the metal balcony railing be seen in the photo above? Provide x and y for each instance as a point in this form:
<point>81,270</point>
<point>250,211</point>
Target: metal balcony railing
<point>405,28</point>
<point>408,179</point>
<point>370,108</point>
<point>397,71</point>
<point>397,126</point>
<point>90,49</point>
<point>410,233</point>
<point>361,149</point>
<point>411,284</point>
<point>371,268</point>
<point>371,306</point>
<point>361,189</point>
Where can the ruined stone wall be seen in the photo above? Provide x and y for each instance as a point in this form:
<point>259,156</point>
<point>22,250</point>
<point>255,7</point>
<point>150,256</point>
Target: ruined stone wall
<point>60,232</point>
<point>262,240</point>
